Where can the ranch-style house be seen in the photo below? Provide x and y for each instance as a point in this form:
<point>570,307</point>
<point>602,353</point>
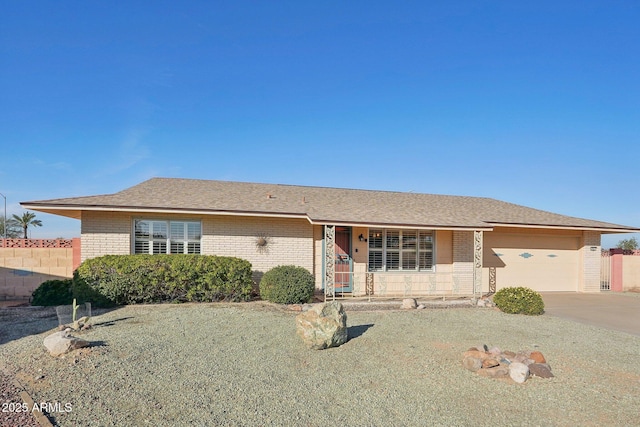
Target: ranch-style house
<point>355,242</point>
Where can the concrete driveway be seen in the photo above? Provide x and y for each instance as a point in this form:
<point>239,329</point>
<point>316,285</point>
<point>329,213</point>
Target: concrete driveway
<point>615,311</point>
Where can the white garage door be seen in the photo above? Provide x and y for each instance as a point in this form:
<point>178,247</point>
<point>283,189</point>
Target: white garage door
<point>542,263</point>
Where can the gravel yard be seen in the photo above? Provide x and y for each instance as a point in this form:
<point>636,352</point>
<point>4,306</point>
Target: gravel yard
<point>242,364</point>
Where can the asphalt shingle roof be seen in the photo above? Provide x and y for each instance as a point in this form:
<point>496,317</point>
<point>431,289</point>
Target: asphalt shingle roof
<point>319,204</point>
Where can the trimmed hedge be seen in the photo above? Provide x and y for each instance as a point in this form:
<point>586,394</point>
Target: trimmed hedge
<point>287,284</point>
<point>134,279</point>
<point>519,300</point>
<point>53,292</point>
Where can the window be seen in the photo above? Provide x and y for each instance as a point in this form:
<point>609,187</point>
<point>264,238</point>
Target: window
<point>400,250</point>
<point>167,237</point>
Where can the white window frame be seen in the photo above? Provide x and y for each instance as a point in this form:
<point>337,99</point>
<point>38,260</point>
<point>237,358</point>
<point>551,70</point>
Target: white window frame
<point>403,252</point>
<point>167,242</point>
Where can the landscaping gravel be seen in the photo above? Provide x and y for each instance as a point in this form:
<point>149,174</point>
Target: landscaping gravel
<point>243,365</point>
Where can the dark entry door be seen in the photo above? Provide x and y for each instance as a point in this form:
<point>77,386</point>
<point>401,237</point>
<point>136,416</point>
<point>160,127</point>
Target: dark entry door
<point>343,263</point>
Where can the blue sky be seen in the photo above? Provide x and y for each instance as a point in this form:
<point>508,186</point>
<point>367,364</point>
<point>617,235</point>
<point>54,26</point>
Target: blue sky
<point>534,103</point>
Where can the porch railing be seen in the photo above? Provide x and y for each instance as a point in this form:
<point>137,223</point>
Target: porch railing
<point>393,285</point>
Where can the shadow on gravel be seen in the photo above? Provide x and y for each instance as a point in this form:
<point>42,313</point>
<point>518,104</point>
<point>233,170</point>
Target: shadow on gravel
<point>112,322</point>
<point>93,344</point>
<point>357,331</point>
<point>20,322</point>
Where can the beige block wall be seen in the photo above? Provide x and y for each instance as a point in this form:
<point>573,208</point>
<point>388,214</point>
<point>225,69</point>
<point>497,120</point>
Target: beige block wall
<point>22,270</point>
<point>631,272</point>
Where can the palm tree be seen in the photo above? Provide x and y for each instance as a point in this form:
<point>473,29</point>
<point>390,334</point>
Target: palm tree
<point>26,220</point>
<point>13,228</point>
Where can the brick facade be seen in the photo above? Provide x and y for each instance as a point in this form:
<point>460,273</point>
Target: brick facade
<point>297,242</point>
<point>290,241</point>
<point>105,233</point>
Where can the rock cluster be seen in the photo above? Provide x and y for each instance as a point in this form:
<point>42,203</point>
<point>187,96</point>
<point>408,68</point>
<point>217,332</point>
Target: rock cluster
<point>495,363</point>
<point>323,325</point>
<point>82,324</point>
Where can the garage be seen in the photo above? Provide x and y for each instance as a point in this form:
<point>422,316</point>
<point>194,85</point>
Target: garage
<point>541,262</point>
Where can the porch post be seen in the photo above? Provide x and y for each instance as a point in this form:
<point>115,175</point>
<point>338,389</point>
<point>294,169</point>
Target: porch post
<point>329,261</point>
<point>477,263</point>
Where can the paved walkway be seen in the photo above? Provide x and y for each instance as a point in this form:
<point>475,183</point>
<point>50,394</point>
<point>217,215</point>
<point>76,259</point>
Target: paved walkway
<point>610,310</point>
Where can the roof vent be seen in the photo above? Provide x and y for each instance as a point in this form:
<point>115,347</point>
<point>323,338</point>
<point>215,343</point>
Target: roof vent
<point>269,196</point>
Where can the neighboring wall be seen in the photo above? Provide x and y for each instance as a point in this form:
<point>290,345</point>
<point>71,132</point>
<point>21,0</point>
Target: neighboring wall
<point>625,270</point>
<point>631,271</point>
<point>26,263</point>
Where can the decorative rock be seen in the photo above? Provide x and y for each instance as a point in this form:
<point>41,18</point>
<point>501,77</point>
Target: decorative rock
<point>409,303</point>
<point>481,355</point>
<point>421,307</point>
<point>519,372</point>
<point>495,372</point>
<point>537,357</point>
<point>80,323</point>
<point>61,342</point>
<point>323,326</point>
<point>495,351</point>
<point>472,363</point>
<point>482,302</point>
<point>489,363</point>
<point>541,370</point>
<point>495,363</point>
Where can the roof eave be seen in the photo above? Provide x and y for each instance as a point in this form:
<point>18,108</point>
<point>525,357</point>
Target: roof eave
<point>611,230</point>
<point>401,225</point>
<point>67,210</point>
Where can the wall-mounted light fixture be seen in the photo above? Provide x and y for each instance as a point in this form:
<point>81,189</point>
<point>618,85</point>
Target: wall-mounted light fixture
<point>361,238</point>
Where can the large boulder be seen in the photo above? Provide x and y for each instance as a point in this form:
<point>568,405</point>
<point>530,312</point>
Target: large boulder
<point>323,325</point>
<point>61,342</point>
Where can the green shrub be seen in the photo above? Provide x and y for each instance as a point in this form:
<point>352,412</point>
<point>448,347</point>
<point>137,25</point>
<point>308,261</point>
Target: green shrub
<point>519,300</point>
<point>53,292</point>
<point>287,284</point>
<point>133,279</point>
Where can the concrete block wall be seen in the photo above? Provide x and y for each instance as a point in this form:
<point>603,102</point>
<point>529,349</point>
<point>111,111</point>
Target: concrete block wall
<point>631,272</point>
<point>29,262</point>
<point>624,270</point>
<point>590,254</point>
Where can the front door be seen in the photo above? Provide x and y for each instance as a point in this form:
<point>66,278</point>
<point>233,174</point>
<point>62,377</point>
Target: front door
<point>343,263</point>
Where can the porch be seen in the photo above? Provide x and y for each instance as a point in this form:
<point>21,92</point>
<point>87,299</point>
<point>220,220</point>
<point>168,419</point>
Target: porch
<point>381,263</point>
